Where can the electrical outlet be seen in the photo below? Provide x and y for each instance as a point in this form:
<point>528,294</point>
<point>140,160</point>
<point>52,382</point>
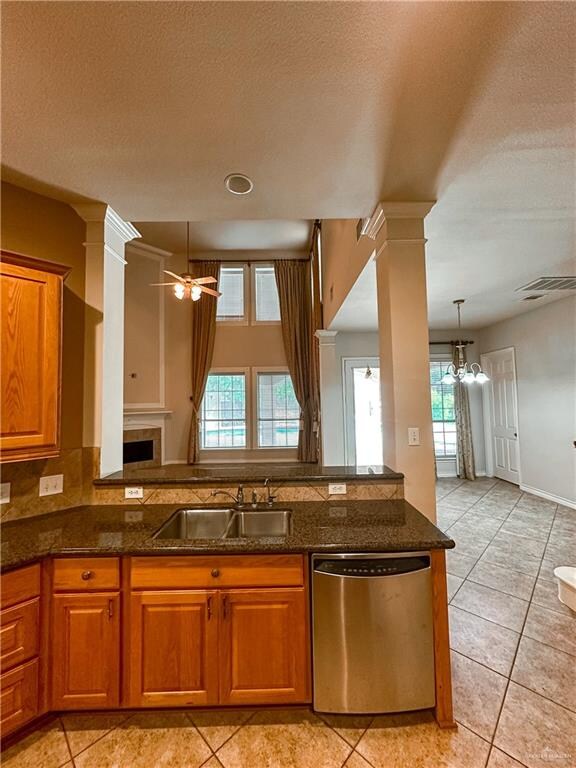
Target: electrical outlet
<point>336,489</point>
<point>133,493</point>
<point>50,485</point>
<point>413,435</point>
<point>4,493</point>
<point>133,515</point>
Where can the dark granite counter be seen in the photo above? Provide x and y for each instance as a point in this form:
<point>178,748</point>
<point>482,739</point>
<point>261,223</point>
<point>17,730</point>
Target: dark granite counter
<point>344,526</point>
<point>198,474</point>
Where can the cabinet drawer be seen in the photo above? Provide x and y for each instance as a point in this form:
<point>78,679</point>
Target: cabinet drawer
<point>20,585</point>
<point>19,696</point>
<point>86,574</point>
<point>19,630</point>
<point>217,571</point>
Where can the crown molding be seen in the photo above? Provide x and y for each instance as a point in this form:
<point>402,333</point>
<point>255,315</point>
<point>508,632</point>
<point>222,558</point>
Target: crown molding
<point>103,213</point>
<point>148,250</point>
<point>391,210</point>
<point>326,338</point>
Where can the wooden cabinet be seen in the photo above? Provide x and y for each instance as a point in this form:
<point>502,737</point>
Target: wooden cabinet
<point>174,649</point>
<point>30,330</point>
<point>85,651</point>
<point>232,646</point>
<point>263,647</point>
<point>19,648</point>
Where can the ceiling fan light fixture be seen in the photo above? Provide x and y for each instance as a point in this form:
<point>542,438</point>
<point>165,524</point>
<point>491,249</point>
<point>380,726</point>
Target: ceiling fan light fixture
<point>238,184</point>
<point>179,291</point>
<point>195,292</point>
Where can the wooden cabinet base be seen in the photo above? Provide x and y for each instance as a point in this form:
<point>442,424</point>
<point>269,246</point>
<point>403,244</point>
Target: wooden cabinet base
<point>19,697</point>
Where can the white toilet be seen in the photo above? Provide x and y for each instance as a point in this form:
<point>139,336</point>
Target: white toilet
<point>566,577</point>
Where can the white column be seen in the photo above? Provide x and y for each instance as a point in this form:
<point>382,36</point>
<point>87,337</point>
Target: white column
<point>331,408</point>
<point>106,237</point>
<point>404,350</point>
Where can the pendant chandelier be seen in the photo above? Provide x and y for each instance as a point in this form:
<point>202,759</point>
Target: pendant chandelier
<point>469,374</point>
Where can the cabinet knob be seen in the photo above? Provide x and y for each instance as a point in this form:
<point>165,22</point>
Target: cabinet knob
<point>87,575</point>
<point>215,572</point>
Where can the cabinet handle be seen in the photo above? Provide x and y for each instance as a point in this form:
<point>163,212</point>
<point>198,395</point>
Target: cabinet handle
<point>86,575</point>
<point>225,606</point>
<point>215,572</point>
<point>209,607</point>
<point>110,608</point>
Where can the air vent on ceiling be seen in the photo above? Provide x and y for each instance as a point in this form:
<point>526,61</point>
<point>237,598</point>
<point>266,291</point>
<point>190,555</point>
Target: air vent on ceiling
<point>531,298</point>
<point>564,283</point>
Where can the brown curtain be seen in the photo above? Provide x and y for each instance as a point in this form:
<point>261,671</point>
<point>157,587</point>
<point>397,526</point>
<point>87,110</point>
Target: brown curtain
<point>293,279</point>
<point>464,447</point>
<point>203,333</point>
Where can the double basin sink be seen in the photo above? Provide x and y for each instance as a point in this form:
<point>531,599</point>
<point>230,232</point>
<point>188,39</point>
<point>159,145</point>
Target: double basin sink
<point>226,524</point>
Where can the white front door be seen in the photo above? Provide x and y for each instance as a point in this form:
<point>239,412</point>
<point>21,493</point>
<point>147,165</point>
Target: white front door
<point>363,417</point>
<point>501,415</point>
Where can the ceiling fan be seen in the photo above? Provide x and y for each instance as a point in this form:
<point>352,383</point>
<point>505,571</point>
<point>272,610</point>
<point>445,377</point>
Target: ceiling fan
<point>186,286</point>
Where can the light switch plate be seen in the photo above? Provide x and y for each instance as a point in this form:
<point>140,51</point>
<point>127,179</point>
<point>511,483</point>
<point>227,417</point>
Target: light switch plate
<point>133,515</point>
<point>50,485</point>
<point>4,493</point>
<point>335,489</point>
<point>413,435</point>
<point>133,493</point>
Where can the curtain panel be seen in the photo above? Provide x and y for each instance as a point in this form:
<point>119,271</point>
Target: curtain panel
<point>293,279</point>
<point>203,335</point>
<point>464,447</point>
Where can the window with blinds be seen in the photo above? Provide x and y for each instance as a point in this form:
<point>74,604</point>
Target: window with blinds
<point>266,304</point>
<point>231,305</point>
<point>278,411</point>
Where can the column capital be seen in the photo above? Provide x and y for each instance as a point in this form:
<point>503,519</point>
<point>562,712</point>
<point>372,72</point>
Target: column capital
<point>395,210</point>
<point>104,214</point>
<point>326,338</point>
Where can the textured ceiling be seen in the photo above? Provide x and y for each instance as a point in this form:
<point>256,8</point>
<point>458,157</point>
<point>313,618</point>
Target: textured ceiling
<point>329,107</point>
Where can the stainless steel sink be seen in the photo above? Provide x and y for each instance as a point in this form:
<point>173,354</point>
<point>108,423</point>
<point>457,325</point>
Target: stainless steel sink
<point>226,524</point>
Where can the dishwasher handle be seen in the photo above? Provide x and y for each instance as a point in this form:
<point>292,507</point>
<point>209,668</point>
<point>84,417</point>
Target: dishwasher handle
<point>371,567</point>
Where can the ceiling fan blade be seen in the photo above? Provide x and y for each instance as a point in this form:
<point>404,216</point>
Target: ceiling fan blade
<point>210,291</point>
<point>165,283</point>
<point>204,280</point>
<point>167,272</point>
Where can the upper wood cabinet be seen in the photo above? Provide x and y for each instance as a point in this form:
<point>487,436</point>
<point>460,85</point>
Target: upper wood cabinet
<point>30,338</point>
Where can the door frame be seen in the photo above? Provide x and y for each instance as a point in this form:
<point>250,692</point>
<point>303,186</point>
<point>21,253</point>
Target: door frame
<point>485,358</point>
<point>348,363</point>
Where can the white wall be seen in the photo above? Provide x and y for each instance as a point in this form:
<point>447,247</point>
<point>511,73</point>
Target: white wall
<point>332,389</point>
<point>475,390</point>
<point>545,347</point>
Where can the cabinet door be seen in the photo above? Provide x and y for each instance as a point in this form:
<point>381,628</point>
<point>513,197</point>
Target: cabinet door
<point>30,377</point>
<point>173,653</point>
<point>85,653</point>
<point>19,633</point>
<point>264,647</point>
<point>18,696</point>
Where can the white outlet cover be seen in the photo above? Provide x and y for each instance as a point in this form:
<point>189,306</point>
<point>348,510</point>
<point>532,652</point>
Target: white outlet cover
<point>413,435</point>
<point>50,485</point>
<point>336,489</point>
<point>133,493</point>
<point>4,493</point>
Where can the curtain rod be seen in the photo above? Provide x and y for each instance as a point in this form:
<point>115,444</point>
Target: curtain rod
<point>464,343</point>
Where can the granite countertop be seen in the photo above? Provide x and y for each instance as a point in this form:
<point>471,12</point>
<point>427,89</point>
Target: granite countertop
<point>196,474</point>
<point>344,526</point>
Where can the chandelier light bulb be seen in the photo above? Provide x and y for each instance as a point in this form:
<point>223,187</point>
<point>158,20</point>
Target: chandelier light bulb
<point>195,293</point>
<point>481,378</point>
<point>447,379</point>
<point>468,378</point>
<point>179,291</point>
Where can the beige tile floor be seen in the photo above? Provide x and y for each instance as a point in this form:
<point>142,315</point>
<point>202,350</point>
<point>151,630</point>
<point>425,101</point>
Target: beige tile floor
<point>514,670</point>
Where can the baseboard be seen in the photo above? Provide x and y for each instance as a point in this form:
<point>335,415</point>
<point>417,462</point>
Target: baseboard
<point>548,496</point>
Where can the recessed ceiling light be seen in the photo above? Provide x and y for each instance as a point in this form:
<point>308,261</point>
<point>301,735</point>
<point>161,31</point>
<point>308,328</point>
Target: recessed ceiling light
<point>238,184</point>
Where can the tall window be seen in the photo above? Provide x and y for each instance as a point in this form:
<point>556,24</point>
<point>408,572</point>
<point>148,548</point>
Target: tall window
<point>443,416</point>
<point>278,411</point>
<point>224,411</point>
<point>231,286</point>
<point>266,304</point>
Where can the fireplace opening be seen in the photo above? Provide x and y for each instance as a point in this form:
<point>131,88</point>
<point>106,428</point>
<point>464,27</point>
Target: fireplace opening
<point>138,450</point>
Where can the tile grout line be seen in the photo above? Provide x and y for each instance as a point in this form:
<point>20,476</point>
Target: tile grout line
<point>518,646</point>
<point>61,721</point>
<point>114,728</point>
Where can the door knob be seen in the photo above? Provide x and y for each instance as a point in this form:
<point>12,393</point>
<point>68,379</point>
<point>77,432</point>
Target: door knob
<point>215,572</point>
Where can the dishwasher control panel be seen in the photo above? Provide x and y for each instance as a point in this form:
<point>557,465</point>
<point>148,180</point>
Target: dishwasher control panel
<point>392,566</point>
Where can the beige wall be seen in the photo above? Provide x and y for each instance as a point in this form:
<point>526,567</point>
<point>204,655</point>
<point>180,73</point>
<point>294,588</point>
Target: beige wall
<point>544,344</point>
<point>343,259</point>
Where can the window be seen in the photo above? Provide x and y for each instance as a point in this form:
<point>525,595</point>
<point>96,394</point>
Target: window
<point>278,411</point>
<point>224,411</point>
<point>443,417</point>
<point>266,304</point>
<point>231,305</point>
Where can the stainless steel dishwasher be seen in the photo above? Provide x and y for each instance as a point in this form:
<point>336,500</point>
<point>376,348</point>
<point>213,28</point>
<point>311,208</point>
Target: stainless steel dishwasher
<point>373,647</point>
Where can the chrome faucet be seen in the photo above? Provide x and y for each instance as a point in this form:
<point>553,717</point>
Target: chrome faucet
<point>270,499</point>
<point>238,499</point>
